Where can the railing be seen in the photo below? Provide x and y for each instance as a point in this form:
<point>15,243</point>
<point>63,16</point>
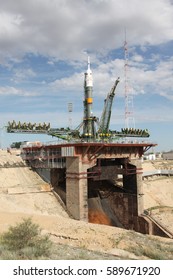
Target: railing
<point>159,224</point>
<point>60,141</point>
<point>158,172</point>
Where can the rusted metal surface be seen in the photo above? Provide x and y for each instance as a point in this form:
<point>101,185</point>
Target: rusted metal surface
<point>93,148</point>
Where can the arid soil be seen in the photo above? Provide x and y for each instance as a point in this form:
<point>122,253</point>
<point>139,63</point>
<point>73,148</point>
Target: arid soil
<point>158,193</point>
<point>24,194</point>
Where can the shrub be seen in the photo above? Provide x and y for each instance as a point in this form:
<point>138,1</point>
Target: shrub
<point>26,237</point>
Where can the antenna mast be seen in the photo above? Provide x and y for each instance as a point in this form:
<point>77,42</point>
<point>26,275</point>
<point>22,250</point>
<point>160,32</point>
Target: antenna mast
<point>70,110</point>
<point>129,110</point>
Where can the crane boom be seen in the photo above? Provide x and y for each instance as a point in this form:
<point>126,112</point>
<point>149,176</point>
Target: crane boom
<point>106,114</point>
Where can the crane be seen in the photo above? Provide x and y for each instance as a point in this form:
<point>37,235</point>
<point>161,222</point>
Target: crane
<point>106,114</point>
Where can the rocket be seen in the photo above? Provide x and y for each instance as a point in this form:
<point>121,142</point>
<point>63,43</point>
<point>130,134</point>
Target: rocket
<point>88,120</point>
<point>88,89</point>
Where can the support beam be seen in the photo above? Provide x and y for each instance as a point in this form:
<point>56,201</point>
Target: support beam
<point>77,189</point>
<point>139,185</point>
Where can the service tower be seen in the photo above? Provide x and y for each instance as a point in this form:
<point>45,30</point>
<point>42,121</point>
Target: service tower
<point>89,131</point>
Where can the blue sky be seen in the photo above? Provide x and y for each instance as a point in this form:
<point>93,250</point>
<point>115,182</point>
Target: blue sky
<point>43,57</point>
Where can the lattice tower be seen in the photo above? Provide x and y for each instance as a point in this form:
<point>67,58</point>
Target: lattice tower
<point>129,108</point>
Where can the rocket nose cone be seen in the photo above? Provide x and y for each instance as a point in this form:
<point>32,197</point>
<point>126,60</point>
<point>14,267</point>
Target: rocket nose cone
<point>89,69</point>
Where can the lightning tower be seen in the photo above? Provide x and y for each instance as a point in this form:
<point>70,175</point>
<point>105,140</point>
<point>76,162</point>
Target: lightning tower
<point>129,109</point>
<point>70,110</point>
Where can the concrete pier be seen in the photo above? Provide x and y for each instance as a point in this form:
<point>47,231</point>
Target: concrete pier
<point>76,189</point>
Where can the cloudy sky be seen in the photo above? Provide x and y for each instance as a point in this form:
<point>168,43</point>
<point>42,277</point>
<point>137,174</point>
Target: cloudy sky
<point>43,57</point>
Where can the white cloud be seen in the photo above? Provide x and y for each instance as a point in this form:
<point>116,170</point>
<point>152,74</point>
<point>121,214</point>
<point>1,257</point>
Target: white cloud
<point>158,80</point>
<point>23,74</point>
<point>10,25</point>
<point>137,58</point>
<point>8,90</point>
<point>71,83</point>
<point>63,28</point>
<point>50,62</point>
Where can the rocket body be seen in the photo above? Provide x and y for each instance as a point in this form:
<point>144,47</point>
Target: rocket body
<point>88,121</point>
<point>88,89</point>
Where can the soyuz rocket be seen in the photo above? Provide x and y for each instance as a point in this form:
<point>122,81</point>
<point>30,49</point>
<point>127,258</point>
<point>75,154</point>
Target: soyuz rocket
<point>89,119</point>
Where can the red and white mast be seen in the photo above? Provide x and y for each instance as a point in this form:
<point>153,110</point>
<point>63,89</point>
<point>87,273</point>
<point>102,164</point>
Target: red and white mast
<point>129,109</point>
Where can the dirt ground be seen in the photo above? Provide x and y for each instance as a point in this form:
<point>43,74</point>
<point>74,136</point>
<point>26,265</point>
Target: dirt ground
<point>18,184</point>
<point>158,193</point>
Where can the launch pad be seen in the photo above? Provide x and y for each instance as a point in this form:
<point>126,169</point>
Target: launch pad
<point>89,156</point>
